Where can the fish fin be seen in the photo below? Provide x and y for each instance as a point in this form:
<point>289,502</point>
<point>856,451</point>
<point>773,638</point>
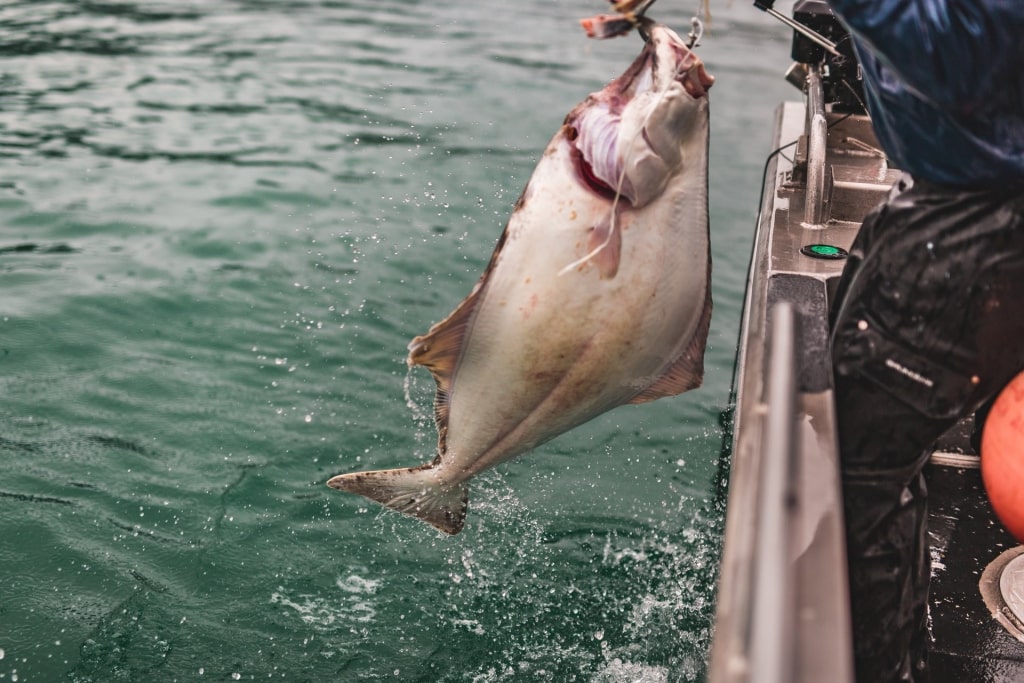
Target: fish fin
<point>439,349</point>
<point>687,371</point>
<point>414,491</point>
<point>606,26</point>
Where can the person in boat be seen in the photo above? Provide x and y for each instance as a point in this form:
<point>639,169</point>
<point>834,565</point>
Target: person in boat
<point>929,317</point>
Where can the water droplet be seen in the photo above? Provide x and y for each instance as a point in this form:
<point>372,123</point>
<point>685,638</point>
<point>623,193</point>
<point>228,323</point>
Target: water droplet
<point>236,676</point>
<point>309,418</point>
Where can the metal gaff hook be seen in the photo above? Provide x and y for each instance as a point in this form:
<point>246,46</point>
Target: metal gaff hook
<point>696,32</point>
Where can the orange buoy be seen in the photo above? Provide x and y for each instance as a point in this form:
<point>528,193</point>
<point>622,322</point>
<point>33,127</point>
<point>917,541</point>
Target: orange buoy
<point>1002,456</point>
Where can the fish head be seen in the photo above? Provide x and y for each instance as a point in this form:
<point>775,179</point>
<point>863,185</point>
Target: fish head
<point>630,138</point>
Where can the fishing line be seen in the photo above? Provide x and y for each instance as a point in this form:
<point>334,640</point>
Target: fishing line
<point>764,176</point>
<point>696,31</point>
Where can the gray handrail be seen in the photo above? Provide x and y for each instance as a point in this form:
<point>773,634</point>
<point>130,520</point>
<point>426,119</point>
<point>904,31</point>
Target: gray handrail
<point>773,595</point>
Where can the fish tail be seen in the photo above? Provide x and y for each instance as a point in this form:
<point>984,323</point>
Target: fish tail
<point>415,491</point>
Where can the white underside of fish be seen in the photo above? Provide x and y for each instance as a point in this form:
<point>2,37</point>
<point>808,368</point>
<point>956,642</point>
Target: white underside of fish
<point>593,299</point>
<point>545,349</point>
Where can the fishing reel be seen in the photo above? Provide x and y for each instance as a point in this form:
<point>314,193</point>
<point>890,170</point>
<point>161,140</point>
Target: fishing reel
<point>819,39</point>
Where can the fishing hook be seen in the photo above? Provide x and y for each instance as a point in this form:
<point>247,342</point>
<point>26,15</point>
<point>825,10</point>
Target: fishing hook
<point>696,32</point>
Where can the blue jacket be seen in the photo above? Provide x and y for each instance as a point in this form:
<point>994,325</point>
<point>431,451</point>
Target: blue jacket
<point>944,81</point>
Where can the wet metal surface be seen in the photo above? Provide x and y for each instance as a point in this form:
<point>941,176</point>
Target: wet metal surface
<point>968,643</point>
<point>1011,586</point>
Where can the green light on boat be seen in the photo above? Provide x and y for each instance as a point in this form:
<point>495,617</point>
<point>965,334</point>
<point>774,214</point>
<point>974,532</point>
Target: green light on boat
<point>824,251</point>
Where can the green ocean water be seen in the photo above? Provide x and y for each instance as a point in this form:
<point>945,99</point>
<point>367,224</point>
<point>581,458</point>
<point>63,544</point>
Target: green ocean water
<point>221,222</point>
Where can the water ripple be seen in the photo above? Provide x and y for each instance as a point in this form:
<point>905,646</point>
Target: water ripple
<point>221,222</point>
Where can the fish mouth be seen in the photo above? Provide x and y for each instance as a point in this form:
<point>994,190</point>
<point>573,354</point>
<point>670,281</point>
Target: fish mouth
<point>627,138</point>
<point>673,61</point>
<point>665,60</point>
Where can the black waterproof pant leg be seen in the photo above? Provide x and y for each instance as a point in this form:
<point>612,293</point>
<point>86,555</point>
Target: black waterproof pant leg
<point>928,324</point>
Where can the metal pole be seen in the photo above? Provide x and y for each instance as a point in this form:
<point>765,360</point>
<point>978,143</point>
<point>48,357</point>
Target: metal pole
<point>774,598</point>
<point>817,137</point>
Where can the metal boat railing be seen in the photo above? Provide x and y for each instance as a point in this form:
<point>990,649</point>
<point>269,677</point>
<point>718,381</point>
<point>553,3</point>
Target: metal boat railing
<point>774,604</point>
<point>783,612</point>
<point>783,606</point>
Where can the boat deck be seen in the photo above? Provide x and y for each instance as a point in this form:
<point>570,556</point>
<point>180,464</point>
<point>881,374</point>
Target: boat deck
<point>968,643</point>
